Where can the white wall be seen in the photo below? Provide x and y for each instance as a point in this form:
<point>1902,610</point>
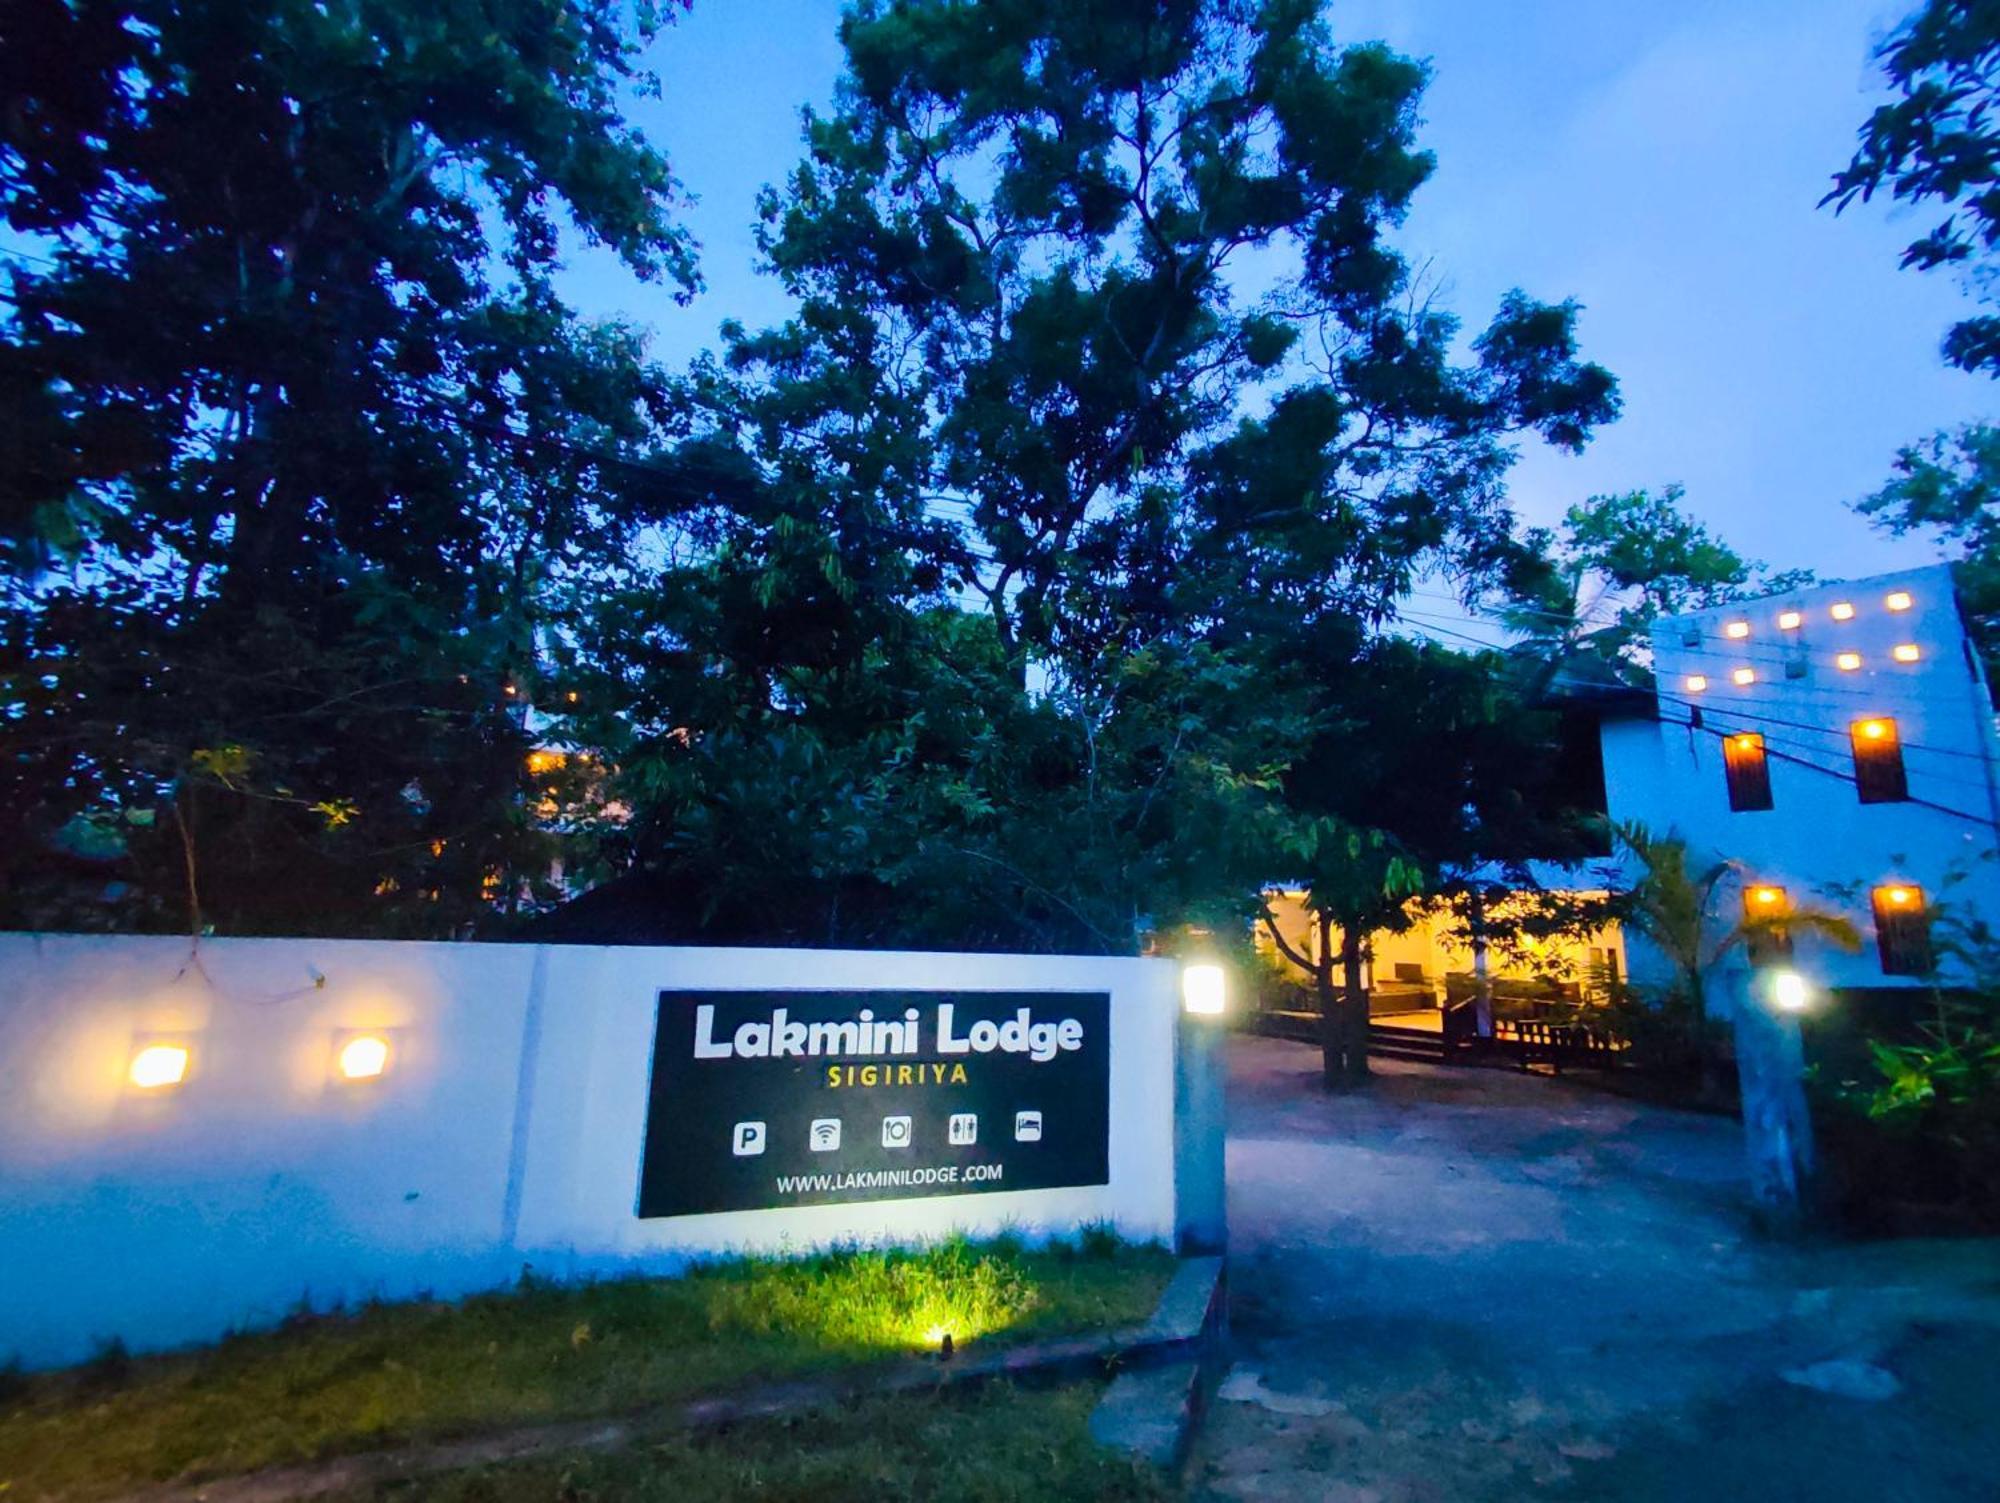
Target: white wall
<point>1818,838</point>
<point>506,1132</point>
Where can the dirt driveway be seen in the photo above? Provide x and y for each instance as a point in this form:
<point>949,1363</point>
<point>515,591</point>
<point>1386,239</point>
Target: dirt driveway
<point>1469,1285</point>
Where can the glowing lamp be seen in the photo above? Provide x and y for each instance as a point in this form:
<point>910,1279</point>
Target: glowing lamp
<point>1768,897</point>
<point>1743,676</point>
<point>1202,988</point>
<point>1847,662</point>
<point>1746,742</point>
<point>1899,897</point>
<point>1905,652</point>
<point>1874,730</point>
<point>158,1066</point>
<point>1696,682</point>
<point>1737,630</point>
<point>1789,992</point>
<point>1898,600</point>
<point>1790,620</point>
<point>1842,611</point>
<point>363,1057</point>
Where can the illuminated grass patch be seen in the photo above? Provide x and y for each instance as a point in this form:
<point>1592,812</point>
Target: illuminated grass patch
<point>391,1373</point>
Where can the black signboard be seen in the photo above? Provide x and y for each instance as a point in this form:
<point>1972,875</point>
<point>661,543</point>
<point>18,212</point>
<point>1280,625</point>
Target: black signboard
<point>763,1100</point>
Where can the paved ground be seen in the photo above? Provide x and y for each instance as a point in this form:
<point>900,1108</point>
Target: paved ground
<point>1471,1285</point>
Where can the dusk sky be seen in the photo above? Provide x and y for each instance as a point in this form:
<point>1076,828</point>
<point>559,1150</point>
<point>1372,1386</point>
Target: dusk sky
<point>1660,164</point>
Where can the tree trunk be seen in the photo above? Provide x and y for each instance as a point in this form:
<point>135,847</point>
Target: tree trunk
<point>1482,977</point>
<point>1332,1053</point>
<point>1354,1022</point>
<point>1343,1010</point>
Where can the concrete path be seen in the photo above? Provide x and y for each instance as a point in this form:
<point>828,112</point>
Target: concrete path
<point>1470,1284</point>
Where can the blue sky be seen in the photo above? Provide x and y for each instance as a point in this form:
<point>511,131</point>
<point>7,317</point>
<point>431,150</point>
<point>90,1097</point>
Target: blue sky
<point>1659,163</point>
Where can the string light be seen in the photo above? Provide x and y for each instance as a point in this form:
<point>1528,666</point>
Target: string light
<point>159,1065</point>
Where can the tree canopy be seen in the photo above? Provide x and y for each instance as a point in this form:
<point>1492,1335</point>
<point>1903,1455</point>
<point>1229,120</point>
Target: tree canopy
<point>1018,589</point>
<point>1937,146</point>
<point>300,438</point>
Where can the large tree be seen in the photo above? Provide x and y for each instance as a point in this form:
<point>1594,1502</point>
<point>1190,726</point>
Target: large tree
<point>301,443</point>
<point>1432,775</point>
<point>1101,330</point>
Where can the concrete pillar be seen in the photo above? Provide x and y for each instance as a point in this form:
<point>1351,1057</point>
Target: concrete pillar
<point>1201,1130</point>
<point>1777,1126</point>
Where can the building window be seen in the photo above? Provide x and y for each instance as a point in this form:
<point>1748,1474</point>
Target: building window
<point>1903,930</point>
<point>1878,761</point>
<point>1764,911</point>
<point>1749,774</point>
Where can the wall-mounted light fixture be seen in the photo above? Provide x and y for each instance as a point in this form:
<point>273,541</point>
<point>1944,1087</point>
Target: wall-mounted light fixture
<point>1790,991</point>
<point>1842,611</point>
<point>1203,989</point>
<point>1905,652</point>
<point>1790,620</point>
<point>1847,662</point>
<point>362,1057</point>
<point>1743,677</point>
<point>1694,683</point>
<point>157,1067</point>
<point>1898,600</point>
<point>1736,630</point>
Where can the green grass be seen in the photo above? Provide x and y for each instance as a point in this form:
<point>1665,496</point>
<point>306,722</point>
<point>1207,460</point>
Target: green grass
<point>393,1373</point>
<point>991,1444</point>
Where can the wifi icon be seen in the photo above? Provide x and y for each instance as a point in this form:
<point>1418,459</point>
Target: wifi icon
<point>825,1134</point>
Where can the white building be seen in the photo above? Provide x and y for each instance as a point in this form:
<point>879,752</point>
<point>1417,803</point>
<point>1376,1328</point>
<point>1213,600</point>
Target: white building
<point>1838,744</point>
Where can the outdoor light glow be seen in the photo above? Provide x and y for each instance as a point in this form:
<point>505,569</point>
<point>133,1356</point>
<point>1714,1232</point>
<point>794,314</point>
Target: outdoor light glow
<point>1769,896</point>
<point>1847,662</point>
<point>159,1065</point>
<point>1874,730</point>
<point>1202,988</point>
<point>1843,612</point>
<point>1747,741</point>
<point>1899,896</point>
<point>1789,992</point>
<point>364,1058</point>
<point>1905,652</point>
<point>1744,676</point>
<point>1898,600</point>
<point>1790,620</point>
<point>935,1335</point>
<point>1737,629</point>
<point>1696,682</point>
